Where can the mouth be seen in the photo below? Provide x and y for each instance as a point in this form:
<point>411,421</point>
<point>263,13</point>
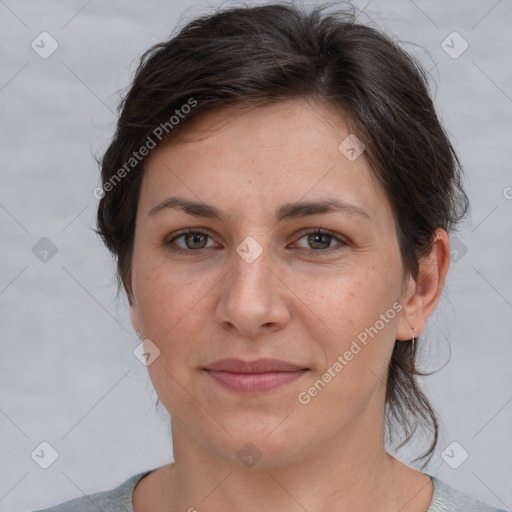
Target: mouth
<point>254,376</point>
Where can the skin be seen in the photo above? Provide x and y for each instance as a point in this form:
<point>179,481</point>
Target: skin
<point>286,304</point>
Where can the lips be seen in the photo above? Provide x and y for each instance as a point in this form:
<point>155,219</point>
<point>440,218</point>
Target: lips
<point>254,376</point>
<point>258,366</point>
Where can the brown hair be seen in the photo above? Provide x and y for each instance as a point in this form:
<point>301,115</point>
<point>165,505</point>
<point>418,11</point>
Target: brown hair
<point>253,56</point>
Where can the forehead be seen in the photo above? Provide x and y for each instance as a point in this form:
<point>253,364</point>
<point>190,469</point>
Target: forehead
<point>243,157</point>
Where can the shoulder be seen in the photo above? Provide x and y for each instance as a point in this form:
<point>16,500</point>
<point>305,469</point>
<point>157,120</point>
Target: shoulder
<point>115,500</point>
<point>447,499</point>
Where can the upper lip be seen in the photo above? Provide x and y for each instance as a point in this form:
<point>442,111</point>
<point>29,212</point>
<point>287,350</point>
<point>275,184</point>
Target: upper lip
<point>259,366</point>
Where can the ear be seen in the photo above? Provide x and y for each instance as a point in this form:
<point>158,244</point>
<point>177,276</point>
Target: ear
<point>423,293</point>
<point>134,313</point>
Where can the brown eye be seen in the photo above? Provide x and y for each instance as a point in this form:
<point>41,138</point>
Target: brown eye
<point>195,240</point>
<point>319,241</point>
<point>191,241</point>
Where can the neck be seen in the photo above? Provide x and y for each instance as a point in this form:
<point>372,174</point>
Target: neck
<point>347,474</point>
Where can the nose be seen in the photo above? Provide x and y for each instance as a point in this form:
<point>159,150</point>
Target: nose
<point>254,297</point>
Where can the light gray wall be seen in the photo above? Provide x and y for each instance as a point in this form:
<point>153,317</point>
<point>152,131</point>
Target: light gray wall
<point>67,372</point>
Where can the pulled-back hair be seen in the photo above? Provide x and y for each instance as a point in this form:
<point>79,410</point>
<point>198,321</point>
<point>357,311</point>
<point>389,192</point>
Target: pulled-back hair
<point>255,56</point>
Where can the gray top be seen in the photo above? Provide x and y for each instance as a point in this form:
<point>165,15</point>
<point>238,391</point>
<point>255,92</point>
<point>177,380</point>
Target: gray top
<point>444,499</point>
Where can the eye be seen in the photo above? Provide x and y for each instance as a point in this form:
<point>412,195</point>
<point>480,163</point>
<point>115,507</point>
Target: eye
<point>193,241</point>
<point>320,241</point>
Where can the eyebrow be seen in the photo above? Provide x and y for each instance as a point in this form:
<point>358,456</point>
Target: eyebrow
<point>286,211</point>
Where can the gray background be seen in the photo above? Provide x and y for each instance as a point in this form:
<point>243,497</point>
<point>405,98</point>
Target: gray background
<point>68,375</point>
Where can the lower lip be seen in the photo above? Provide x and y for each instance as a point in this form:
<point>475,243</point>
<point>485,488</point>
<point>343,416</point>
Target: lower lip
<point>254,382</point>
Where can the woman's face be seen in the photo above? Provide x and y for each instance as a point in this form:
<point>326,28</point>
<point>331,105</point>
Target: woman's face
<point>257,283</point>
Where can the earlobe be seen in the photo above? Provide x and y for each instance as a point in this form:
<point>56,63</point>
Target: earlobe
<point>409,316</point>
<point>134,315</point>
<point>423,293</point>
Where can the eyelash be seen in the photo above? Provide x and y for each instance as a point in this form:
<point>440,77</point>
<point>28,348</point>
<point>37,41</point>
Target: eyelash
<point>311,252</point>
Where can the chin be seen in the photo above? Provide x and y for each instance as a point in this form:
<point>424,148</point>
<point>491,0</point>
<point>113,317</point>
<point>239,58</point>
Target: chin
<point>269,445</point>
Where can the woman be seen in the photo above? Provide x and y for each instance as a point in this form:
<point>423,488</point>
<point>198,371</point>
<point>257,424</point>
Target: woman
<point>278,197</point>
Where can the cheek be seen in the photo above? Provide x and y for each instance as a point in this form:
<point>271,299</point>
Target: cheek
<point>171,314</point>
<point>164,295</point>
<point>354,319</point>
<point>343,303</point>
<point>356,358</point>
<point>174,309</point>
